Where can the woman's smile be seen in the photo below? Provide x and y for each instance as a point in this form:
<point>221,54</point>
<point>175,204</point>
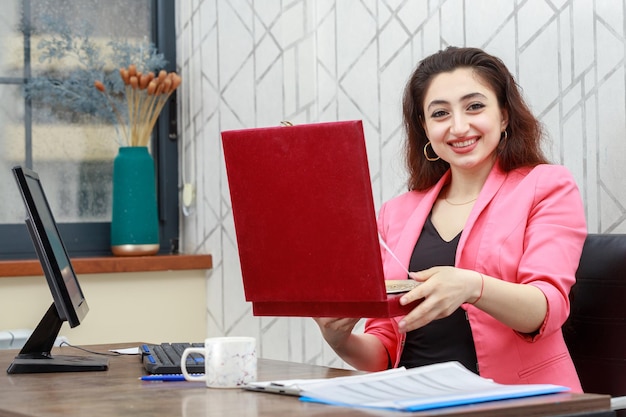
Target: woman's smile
<point>464,143</point>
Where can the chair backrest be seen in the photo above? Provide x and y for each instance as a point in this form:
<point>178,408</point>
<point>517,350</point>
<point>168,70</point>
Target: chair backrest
<point>595,332</point>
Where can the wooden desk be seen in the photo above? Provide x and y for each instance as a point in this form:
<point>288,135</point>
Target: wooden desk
<point>119,392</point>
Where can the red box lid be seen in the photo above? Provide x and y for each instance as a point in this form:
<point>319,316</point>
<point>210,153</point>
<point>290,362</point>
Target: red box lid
<point>305,221</point>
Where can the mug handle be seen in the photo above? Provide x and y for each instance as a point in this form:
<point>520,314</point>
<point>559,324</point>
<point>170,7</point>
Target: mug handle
<point>183,364</point>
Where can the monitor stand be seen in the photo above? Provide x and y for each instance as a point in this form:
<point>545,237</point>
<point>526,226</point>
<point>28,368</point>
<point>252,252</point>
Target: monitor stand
<point>35,356</point>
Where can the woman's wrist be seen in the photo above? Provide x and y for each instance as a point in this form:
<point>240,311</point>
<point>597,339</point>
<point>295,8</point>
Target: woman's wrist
<point>482,288</point>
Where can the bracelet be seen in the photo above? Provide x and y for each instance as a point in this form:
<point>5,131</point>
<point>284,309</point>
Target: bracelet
<point>482,287</point>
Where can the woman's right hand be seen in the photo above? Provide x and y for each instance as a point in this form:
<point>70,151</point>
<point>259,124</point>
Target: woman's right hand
<point>336,330</point>
<point>362,351</point>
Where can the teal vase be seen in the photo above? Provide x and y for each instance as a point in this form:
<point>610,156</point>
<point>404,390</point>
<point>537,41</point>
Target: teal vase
<point>134,222</point>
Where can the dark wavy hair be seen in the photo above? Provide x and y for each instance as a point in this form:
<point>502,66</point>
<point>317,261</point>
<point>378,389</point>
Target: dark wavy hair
<point>521,147</point>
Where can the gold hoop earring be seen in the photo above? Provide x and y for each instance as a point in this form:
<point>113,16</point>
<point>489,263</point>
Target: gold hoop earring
<point>505,137</point>
<point>428,158</point>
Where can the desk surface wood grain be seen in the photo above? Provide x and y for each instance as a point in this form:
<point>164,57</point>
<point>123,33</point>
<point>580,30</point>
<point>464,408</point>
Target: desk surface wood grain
<point>119,392</point>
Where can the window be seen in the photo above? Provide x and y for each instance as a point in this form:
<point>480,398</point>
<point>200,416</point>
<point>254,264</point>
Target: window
<point>73,153</point>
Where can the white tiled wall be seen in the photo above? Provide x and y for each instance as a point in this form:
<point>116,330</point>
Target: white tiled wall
<point>254,63</point>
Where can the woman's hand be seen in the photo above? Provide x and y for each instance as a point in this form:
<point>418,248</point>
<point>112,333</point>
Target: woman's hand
<point>521,307</point>
<point>362,351</point>
<point>336,331</point>
<point>443,290</point>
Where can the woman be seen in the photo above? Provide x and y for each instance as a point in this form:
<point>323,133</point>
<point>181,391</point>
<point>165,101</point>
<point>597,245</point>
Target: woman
<point>492,232</point>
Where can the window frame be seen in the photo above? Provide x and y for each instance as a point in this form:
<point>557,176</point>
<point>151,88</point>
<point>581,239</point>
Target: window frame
<point>87,239</point>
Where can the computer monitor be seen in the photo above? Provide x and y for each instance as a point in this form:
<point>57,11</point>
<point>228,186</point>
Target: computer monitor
<point>69,302</point>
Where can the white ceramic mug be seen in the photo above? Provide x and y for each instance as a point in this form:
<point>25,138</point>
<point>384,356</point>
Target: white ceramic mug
<point>229,362</point>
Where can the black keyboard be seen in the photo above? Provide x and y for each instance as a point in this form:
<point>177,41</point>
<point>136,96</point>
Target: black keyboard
<point>164,358</point>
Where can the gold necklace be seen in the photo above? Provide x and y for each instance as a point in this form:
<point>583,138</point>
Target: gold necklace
<point>459,204</point>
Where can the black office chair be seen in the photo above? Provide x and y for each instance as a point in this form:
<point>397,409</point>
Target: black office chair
<point>595,332</point>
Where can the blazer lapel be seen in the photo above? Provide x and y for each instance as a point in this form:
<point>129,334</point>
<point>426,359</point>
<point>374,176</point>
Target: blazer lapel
<point>415,223</point>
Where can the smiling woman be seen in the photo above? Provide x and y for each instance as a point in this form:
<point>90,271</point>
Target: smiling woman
<point>491,231</point>
<point>73,150</point>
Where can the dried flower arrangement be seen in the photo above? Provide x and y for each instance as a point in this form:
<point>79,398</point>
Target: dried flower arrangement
<point>146,94</point>
<point>74,61</point>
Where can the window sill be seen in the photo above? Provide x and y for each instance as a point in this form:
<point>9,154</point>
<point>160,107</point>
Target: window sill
<point>103,265</point>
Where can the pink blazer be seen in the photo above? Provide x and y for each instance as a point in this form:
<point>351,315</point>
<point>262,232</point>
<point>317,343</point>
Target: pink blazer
<point>527,226</point>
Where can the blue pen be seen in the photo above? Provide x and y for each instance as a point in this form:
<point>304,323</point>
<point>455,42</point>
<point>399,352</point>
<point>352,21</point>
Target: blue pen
<point>165,377</point>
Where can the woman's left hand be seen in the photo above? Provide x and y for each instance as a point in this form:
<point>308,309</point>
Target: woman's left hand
<point>443,290</point>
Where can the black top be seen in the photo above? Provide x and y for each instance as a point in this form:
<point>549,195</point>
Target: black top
<point>447,339</point>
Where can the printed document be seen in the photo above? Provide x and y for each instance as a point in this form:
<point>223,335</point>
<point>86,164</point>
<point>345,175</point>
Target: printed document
<point>427,387</point>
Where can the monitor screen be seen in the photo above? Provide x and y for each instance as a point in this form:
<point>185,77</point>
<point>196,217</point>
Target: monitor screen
<point>68,296</point>
<point>69,304</point>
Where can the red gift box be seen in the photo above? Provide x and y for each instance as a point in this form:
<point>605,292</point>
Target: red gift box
<point>305,221</point>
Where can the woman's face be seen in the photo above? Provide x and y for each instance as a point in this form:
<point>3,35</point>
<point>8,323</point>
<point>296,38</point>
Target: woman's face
<point>462,119</point>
